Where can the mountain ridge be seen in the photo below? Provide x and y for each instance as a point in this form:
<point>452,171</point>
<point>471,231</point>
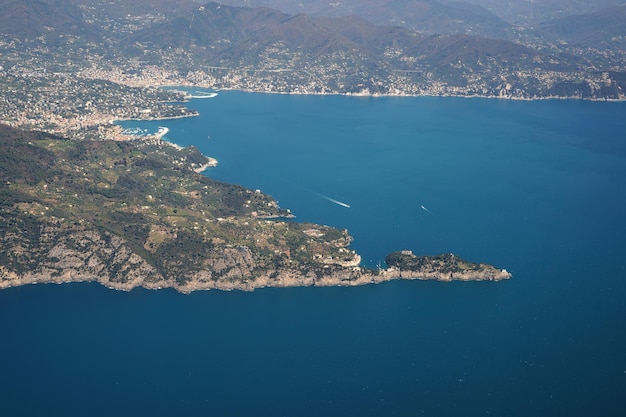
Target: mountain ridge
<point>605,28</point>
<point>425,16</point>
<point>263,49</point>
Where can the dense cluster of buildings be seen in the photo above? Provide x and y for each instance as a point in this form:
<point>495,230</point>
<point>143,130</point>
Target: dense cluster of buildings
<point>80,99</point>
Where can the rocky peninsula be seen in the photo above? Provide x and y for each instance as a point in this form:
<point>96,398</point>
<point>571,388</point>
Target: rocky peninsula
<point>138,213</point>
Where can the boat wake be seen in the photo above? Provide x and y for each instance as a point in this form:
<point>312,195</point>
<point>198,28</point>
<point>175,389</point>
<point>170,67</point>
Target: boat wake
<point>325,197</point>
<point>332,200</point>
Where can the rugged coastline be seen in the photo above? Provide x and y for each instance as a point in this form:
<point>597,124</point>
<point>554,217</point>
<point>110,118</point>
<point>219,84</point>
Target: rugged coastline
<point>63,265</point>
<point>137,213</point>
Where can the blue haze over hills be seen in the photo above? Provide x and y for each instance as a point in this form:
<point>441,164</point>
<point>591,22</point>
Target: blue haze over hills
<point>538,188</point>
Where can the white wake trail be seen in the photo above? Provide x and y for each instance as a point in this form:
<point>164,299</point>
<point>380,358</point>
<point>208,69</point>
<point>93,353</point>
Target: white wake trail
<point>332,200</point>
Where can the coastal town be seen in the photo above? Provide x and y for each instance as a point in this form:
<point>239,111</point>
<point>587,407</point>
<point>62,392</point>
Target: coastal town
<point>84,104</point>
<point>77,82</point>
<point>77,106</point>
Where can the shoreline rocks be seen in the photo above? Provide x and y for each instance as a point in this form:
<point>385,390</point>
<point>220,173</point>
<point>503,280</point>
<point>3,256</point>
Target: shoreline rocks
<point>111,263</point>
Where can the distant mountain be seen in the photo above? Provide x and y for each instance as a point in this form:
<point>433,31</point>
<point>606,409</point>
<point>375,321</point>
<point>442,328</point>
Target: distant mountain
<point>120,17</point>
<point>426,16</point>
<point>530,12</point>
<point>430,16</point>
<point>232,35</point>
<point>123,8</point>
<point>264,49</point>
<point>602,29</point>
<point>37,17</point>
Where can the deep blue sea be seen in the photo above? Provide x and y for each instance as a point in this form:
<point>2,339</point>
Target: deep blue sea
<point>538,188</point>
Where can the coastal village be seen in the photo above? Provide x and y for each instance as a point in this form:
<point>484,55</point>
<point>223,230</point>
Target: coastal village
<point>63,90</point>
<point>85,104</point>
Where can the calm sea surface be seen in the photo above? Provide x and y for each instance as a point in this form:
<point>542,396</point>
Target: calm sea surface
<point>538,188</point>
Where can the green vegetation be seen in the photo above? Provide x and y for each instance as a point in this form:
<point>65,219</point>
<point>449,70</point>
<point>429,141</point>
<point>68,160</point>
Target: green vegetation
<point>59,195</point>
<point>445,263</point>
